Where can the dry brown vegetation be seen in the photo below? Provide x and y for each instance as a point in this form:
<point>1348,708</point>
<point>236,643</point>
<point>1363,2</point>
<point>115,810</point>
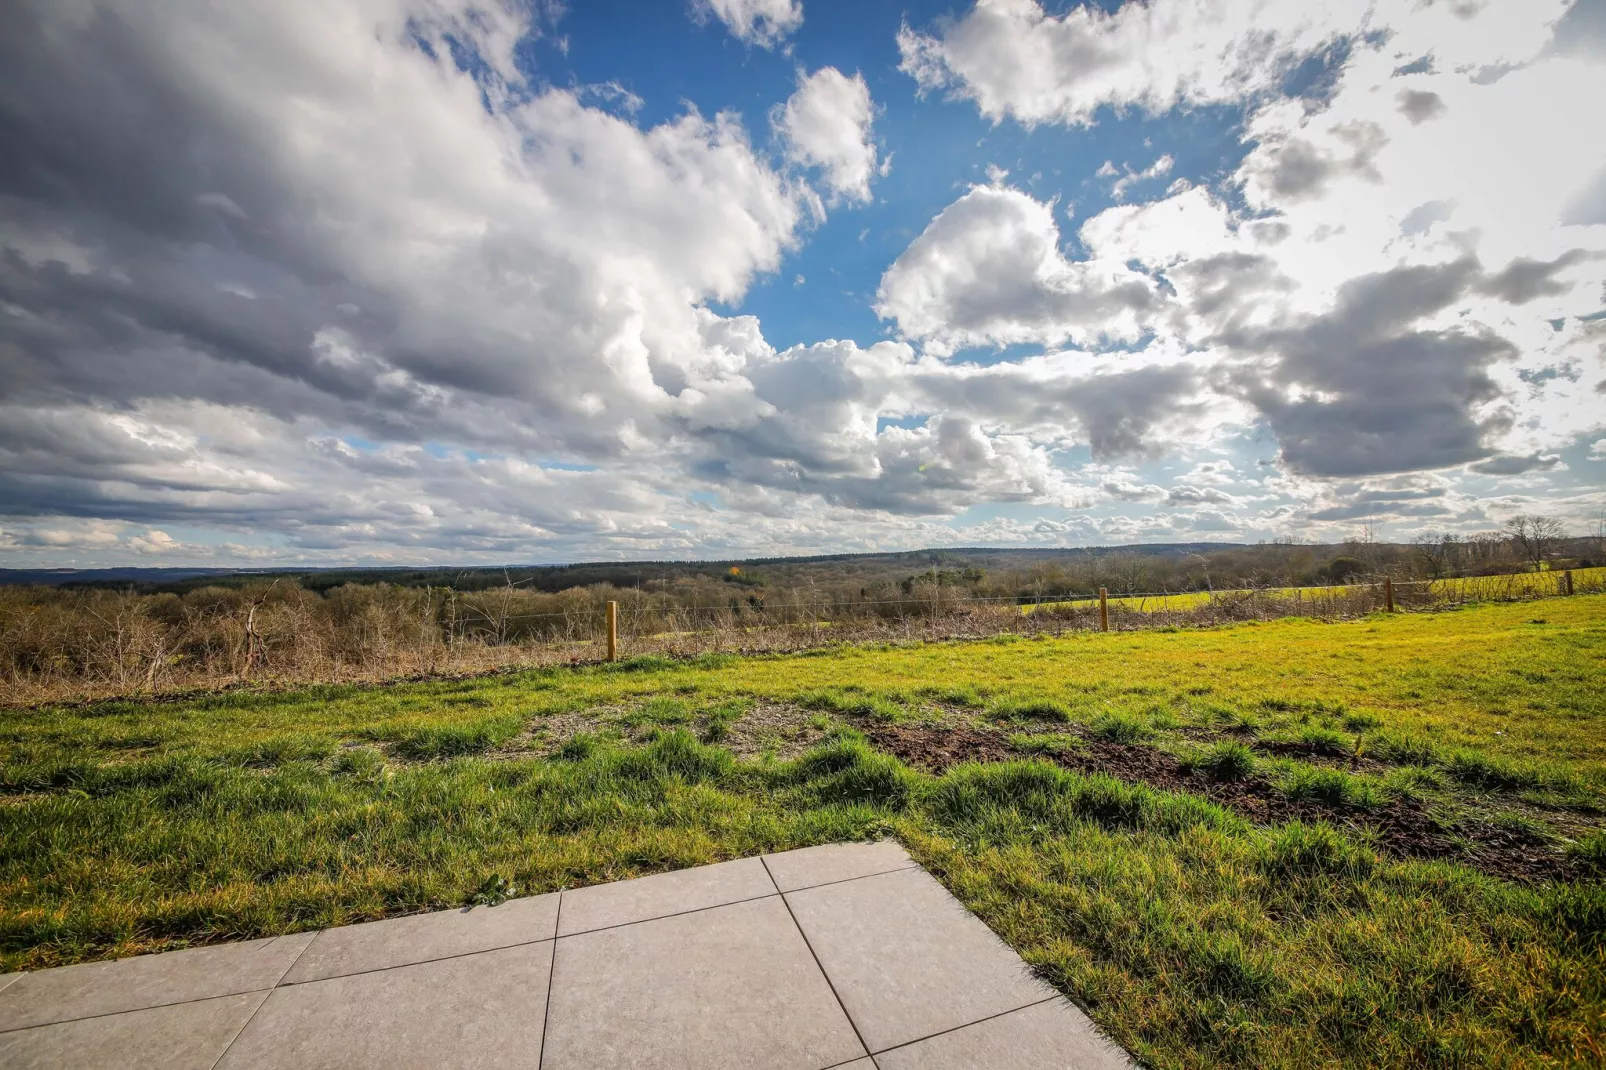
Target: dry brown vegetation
<point>70,644</point>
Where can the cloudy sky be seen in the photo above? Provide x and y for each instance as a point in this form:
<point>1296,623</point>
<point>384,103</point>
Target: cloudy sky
<point>400,281</point>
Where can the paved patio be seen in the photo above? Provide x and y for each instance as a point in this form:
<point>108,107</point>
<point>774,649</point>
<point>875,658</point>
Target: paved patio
<point>848,955</point>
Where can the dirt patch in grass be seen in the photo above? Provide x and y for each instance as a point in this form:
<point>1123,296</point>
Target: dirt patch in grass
<point>1400,827</point>
<point>935,749</point>
<point>542,736</point>
<point>779,729</point>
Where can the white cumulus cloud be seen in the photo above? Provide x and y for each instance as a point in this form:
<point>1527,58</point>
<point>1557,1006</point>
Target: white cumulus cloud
<point>826,124</point>
<point>765,23</point>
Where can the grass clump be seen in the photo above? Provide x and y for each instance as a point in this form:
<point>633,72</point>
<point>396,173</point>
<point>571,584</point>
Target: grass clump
<point>1228,760</point>
<point>1053,743</point>
<point>969,698</point>
<point>1030,709</point>
<point>1331,787</point>
<point>451,740</point>
<point>1405,748</point>
<point>1120,728</point>
<point>1588,853</point>
<point>1314,850</point>
<point>853,702</point>
<point>1481,770</point>
<point>1325,741</point>
<point>660,710</point>
<point>717,720</point>
<point>847,770</point>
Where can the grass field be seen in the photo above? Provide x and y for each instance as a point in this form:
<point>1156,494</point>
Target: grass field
<point>1287,843</point>
<point>1465,589</point>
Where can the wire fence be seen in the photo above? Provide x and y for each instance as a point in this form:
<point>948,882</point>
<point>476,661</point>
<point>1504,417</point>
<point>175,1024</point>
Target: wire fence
<point>106,643</point>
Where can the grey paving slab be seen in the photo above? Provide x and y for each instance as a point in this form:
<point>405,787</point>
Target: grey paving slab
<point>1049,1036</point>
<point>730,988</point>
<point>474,1011</point>
<point>662,894</point>
<point>70,992</point>
<point>809,866</point>
<point>6,979</point>
<point>907,959</point>
<point>184,1036</point>
<point>379,945</point>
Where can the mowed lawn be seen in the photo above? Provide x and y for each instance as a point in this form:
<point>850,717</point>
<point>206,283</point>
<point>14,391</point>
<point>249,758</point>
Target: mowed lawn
<point>1196,935</point>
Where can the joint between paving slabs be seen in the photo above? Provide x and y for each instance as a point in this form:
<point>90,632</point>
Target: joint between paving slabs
<point>262,1002</point>
<point>551,970</point>
<point>819,965</point>
<point>956,1028</point>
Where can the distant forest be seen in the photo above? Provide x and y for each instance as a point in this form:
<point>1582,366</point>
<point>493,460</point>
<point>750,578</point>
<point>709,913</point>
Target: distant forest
<point>982,572</point>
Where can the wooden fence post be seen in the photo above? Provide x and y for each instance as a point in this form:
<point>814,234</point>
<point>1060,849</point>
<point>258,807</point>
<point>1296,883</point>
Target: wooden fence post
<point>613,630</point>
<point>1388,594</point>
<point>1104,609</point>
<point>1567,581</point>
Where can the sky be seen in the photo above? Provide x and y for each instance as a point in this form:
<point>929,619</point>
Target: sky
<point>487,281</point>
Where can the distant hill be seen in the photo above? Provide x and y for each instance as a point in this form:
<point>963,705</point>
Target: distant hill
<point>620,573</point>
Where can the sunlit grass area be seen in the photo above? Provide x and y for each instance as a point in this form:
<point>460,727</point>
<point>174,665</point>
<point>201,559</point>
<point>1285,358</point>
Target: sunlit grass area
<point>1467,589</point>
<point>1195,932</point>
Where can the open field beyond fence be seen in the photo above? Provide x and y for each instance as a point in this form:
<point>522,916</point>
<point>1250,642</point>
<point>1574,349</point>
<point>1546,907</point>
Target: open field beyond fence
<point>1284,843</point>
<point>58,645</point>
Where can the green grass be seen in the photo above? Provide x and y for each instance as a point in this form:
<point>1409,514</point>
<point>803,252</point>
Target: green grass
<point>1193,936</point>
<point>1517,585</point>
<point>1227,760</point>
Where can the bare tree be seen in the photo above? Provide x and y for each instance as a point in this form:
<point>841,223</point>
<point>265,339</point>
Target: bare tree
<point>1533,537</point>
<point>1438,550</point>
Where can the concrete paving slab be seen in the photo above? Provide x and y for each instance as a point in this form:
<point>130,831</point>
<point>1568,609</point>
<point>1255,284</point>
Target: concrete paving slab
<point>809,866</point>
<point>907,959</point>
<point>474,1011</point>
<point>7,979</point>
<point>730,988</point>
<point>184,1036</point>
<point>379,945</point>
<point>662,894</point>
<point>70,992</point>
<point>1054,1035</point>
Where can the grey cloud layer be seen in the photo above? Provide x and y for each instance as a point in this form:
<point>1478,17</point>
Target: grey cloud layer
<point>284,272</point>
<point>213,289</point>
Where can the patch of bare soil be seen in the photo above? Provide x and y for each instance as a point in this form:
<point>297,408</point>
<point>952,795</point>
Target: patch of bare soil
<point>775,728</point>
<point>544,735</point>
<point>1401,827</point>
<point>935,748</point>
